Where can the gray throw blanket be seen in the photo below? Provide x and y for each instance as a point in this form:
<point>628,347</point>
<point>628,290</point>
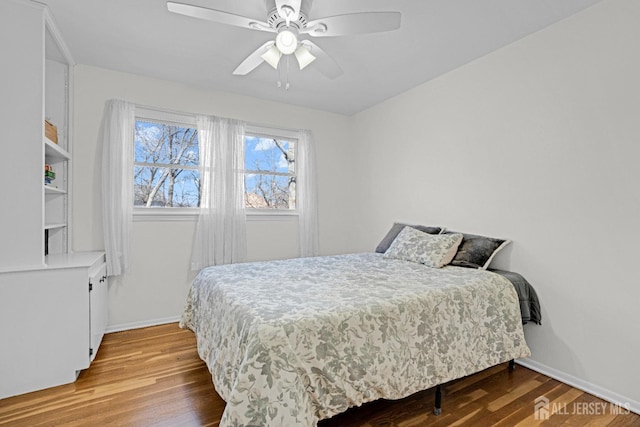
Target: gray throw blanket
<point>529,304</point>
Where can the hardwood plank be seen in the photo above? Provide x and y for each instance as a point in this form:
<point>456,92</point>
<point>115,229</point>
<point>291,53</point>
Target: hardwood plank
<point>153,376</point>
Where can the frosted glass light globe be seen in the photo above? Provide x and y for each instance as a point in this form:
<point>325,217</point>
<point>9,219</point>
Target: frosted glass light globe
<point>287,42</point>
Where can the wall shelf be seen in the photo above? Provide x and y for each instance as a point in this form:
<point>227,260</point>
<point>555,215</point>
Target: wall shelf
<point>54,151</point>
<point>50,189</point>
<point>54,226</point>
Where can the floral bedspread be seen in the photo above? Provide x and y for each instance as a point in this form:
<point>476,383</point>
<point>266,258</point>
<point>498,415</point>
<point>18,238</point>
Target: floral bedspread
<point>294,341</point>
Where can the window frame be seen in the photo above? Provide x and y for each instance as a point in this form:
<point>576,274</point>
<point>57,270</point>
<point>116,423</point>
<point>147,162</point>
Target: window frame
<point>162,213</point>
<point>150,214</point>
<point>280,134</point>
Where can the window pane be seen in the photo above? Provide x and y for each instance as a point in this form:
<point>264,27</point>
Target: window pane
<point>166,187</point>
<point>269,191</point>
<point>166,144</point>
<point>269,155</point>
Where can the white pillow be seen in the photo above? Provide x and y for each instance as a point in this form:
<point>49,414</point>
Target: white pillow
<point>431,250</point>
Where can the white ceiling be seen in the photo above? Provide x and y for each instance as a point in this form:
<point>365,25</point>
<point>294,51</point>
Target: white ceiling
<point>436,36</point>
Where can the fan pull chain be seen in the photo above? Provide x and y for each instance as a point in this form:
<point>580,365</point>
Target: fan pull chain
<point>279,79</point>
<point>286,87</point>
<point>279,83</point>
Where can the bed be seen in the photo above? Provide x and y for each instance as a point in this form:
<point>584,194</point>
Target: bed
<point>295,341</point>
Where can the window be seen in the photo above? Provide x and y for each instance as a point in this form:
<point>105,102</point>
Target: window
<point>270,172</point>
<point>166,164</point>
<point>166,167</point>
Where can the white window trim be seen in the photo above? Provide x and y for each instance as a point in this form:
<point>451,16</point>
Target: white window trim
<point>152,214</point>
<point>191,215</point>
<point>272,132</point>
<point>165,214</point>
<point>150,114</point>
<point>268,132</point>
<point>271,214</point>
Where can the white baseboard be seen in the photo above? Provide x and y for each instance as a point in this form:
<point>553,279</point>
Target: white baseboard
<point>142,324</point>
<point>602,393</point>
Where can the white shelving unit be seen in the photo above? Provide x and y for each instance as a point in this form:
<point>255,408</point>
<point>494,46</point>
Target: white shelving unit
<point>53,308</point>
<point>53,154</point>
<point>36,86</point>
<point>57,76</point>
<point>56,200</point>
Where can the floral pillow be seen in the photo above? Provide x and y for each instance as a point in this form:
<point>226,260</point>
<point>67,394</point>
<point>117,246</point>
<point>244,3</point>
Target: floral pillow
<point>431,250</point>
<point>397,228</point>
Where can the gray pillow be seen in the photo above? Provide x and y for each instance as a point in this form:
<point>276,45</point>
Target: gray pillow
<point>396,228</point>
<point>416,246</point>
<point>477,251</point>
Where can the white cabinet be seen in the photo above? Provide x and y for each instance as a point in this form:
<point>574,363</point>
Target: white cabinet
<point>98,306</point>
<point>51,321</point>
<point>51,324</point>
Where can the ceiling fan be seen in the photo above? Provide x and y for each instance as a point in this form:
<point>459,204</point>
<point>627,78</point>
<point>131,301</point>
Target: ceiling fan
<point>288,19</point>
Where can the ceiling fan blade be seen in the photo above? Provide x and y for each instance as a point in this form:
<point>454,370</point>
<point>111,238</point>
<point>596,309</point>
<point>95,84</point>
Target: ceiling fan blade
<point>289,10</point>
<point>325,64</point>
<point>218,16</point>
<point>253,60</point>
<point>353,23</point>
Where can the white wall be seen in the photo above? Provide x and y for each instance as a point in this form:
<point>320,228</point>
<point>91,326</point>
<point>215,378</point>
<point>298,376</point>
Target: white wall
<point>537,142</point>
<point>156,285</point>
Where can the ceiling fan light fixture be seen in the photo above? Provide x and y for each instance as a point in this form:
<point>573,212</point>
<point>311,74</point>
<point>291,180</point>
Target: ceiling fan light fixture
<point>304,56</point>
<point>272,56</point>
<point>288,20</point>
<point>287,41</point>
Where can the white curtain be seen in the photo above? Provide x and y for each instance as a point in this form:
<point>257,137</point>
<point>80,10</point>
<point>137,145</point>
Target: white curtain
<point>221,236</point>
<point>307,204</point>
<point>117,135</point>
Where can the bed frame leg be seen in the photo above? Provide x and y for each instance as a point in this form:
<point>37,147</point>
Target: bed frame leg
<point>512,365</point>
<point>437,409</point>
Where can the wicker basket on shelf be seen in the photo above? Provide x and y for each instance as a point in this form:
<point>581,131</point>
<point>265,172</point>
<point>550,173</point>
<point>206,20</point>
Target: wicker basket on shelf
<point>51,131</point>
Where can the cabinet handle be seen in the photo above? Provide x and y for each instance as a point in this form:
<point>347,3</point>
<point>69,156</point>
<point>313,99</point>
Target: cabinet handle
<point>102,279</point>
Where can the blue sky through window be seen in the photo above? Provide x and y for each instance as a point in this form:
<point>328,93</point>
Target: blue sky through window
<point>262,154</point>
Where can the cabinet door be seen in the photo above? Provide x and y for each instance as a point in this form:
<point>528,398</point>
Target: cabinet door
<point>98,308</point>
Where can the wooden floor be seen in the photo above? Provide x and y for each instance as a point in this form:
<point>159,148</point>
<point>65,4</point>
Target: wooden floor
<point>153,377</point>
